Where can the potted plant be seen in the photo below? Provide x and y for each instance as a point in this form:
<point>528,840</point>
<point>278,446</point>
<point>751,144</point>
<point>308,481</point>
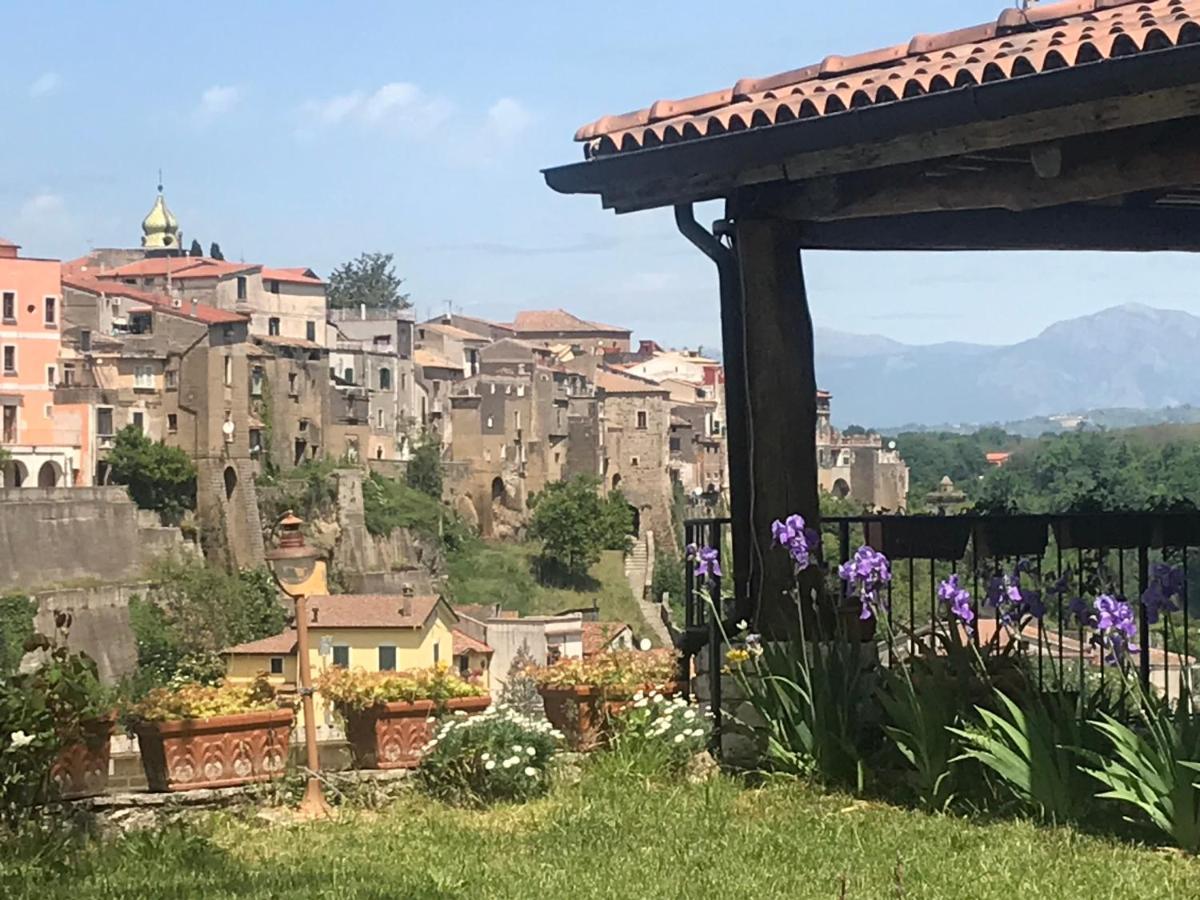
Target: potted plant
<point>581,695</point>
<point>211,736</point>
<point>388,715</point>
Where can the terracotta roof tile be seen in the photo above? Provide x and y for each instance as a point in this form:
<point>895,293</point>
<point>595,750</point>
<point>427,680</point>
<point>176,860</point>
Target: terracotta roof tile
<point>179,267</point>
<point>200,312</point>
<point>464,644</point>
<point>1019,43</point>
<point>559,320</point>
<point>370,611</point>
<point>452,331</point>
<point>299,275</point>
<point>612,382</point>
<point>597,636</point>
<point>277,644</point>
<point>431,359</point>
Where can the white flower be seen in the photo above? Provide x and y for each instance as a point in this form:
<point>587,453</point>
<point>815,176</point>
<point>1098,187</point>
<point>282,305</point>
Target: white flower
<point>658,698</point>
<point>485,756</point>
<point>517,748</point>
<point>530,751</point>
<point>531,771</point>
<point>638,696</point>
<point>20,739</point>
<point>490,764</point>
<point>690,714</point>
<point>742,625</point>
<point>639,704</point>
<point>679,738</point>
<point>511,761</point>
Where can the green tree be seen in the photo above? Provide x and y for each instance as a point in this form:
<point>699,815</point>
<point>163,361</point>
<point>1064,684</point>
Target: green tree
<point>196,249</point>
<point>574,525</point>
<point>159,477</point>
<point>214,251</point>
<point>370,280</point>
<point>616,518</point>
<point>16,628</point>
<point>424,471</point>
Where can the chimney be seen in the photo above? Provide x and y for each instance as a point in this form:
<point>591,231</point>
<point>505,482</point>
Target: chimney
<point>406,594</point>
<point>195,303</point>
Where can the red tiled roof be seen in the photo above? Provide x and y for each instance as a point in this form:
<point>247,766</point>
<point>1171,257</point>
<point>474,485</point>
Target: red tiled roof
<point>7,243</point>
<point>431,359</point>
<point>559,320</point>
<point>280,644</point>
<point>1019,43</point>
<point>370,611</point>
<point>179,267</point>
<point>623,383</point>
<point>292,276</point>
<point>998,458</point>
<point>597,636</point>
<point>453,331</point>
<point>200,312</point>
<point>464,644</point>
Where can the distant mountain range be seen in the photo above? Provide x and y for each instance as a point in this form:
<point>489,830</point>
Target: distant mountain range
<point>1124,359</point>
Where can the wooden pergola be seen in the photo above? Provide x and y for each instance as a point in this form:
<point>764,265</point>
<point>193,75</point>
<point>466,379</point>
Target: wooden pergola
<point>1066,126</point>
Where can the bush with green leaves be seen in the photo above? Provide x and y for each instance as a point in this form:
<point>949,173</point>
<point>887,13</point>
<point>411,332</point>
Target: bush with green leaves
<point>424,470</point>
<point>16,628</point>
<point>665,733</point>
<point>575,524</point>
<point>158,477</point>
<point>499,755</point>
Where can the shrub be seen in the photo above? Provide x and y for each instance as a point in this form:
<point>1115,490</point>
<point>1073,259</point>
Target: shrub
<point>620,672</point>
<point>574,524</point>
<point>356,689</point>
<point>667,733</point>
<point>159,477</point>
<point>203,701</point>
<point>16,628</point>
<point>520,691</point>
<point>424,470</point>
<point>498,755</point>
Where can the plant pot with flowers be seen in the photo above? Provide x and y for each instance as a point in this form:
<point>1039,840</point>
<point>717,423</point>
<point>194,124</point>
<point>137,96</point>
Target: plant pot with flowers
<point>211,736</point>
<point>389,715</point>
<point>582,695</point>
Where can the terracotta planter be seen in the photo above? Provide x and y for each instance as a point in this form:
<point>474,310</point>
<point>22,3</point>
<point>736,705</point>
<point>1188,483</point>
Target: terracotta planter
<point>1101,531</point>
<point>224,751</point>
<point>1002,536</point>
<point>582,712</point>
<point>920,537</point>
<point>391,735</point>
<point>81,768</point>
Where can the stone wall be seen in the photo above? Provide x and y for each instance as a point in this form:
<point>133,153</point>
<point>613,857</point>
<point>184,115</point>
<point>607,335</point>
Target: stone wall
<point>99,624</point>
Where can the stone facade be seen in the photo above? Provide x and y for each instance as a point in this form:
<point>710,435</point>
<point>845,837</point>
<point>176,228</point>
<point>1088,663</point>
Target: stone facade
<point>637,414</point>
<point>859,466</point>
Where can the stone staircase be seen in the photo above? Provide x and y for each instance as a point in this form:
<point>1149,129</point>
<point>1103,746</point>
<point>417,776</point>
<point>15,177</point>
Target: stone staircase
<point>639,570</point>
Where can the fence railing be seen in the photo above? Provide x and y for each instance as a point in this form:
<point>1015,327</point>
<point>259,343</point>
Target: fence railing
<point>1065,561</point>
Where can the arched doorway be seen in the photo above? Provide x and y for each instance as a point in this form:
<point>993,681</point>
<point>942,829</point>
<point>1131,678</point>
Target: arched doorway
<point>841,489</point>
<point>15,473</point>
<point>49,474</point>
<point>231,482</point>
<point>635,520</point>
<point>498,490</point>
<point>616,481</point>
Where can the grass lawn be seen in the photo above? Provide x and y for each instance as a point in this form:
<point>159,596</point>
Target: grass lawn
<point>617,836</point>
<point>503,573</point>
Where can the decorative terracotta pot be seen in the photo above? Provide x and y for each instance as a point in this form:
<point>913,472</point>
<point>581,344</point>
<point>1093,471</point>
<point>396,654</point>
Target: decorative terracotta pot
<point>391,735</point>
<point>81,767</point>
<point>224,751</point>
<point>583,712</point>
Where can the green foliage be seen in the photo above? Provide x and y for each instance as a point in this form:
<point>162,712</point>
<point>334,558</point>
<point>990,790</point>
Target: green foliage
<point>668,578</point>
<point>195,249</point>
<point>309,490</point>
<point>389,504</point>
<point>656,735</point>
<point>932,455</point>
<point>424,470</point>
<point>159,477</point>
<point>194,612</point>
<point>368,279</point>
<point>1153,770</point>
<point>16,629</point>
<point>214,251</point>
<point>498,755</point>
<point>520,690</point>
<point>574,524</point>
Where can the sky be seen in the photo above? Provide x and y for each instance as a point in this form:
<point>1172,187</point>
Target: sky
<point>304,133</point>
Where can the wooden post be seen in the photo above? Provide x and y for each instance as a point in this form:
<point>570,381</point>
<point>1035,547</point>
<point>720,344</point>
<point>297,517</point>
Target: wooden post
<point>771,395</point>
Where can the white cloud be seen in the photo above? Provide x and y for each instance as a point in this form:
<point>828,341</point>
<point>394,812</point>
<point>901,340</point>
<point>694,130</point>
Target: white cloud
<point>45,84</point>
<point>397,106</point>
<point>42,207</point>
<point>507,119</point>
<point>216,101</point>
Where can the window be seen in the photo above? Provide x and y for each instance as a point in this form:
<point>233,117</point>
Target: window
<point>68,375</point>
<point>633,461</point>
<point>379,423</point>
<point>517,419</point>
<point>303,426</point>
<point>143,378</point>
<point>255,441</point>
<point>464,668</point>
<point>387,659</point>
<point>276,665</point>
<point>139,421</point>
<point>273,326</point>
<point>508,390</point>
<point>256,381</point>
<point>273,286</point>
<point>10,360</point>
<point>10,424</point>
<point>228,371</point>
<point>348,376</point>
<point>241,287</point>
<point>10,306</point>
<point>403,381</point>
<point>437,653</point>
<point>310,331</point>
<point>675,445</point>
<point>385,379</point>
<point>292,390</point>
<point>520,390</point>
<point>51,310</point>
<point>50,373</point>
<point>341,656</point>
<point>382,340</point>
<point>171,378</point>
<point>489,421</point>
<point>493,388</point>
<point>487,455</point>
<point>641,420</point>
<point>172,423</point>
<point>104,421</point>
<point>504,451</point>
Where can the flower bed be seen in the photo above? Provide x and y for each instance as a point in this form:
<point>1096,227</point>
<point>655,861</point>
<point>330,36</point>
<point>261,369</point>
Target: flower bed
<point>389,715</point>
<point>582,695</point>
<point>200,736</point>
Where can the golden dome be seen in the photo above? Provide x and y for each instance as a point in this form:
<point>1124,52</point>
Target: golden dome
<point>160,228</point>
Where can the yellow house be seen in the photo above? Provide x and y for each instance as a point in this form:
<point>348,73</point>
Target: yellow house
<point>372,632</point>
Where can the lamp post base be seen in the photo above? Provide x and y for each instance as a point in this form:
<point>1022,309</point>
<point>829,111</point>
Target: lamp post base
<point>313,805</point>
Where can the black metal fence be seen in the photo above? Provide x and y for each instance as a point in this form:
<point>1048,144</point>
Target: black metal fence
<point>1063,557</point>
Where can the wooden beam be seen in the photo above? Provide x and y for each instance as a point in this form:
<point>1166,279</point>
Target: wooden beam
<point>1100,168</point>
<point>1078,227</point>
<point>779,397</point>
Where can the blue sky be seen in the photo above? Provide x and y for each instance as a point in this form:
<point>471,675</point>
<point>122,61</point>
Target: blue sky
<point>303,133</point>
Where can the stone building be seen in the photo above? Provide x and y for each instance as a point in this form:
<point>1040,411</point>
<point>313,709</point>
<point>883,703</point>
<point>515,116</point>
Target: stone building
<point>289,402</point>
<point>559,328</point>
<point>859,466</point>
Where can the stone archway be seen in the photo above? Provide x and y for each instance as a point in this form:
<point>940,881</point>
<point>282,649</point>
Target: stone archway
<point>841,489</point>
<point>635,526</point>
<point>499,492</point>
<point>616,482</point>
<point>15,474</point>
<point>49,474</point>
<point>231,482</point>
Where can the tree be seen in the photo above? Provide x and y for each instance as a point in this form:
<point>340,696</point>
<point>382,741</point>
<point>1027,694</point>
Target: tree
<point>424,472</point>
<point>368,280</point>
<point>159,477</point>
<point>196,249</point>
<point>214,251</point>
<point>573,523</point>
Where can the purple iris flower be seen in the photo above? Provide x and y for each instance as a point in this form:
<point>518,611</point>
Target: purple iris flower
<point>1115,628</point>
<point>800,541</point>
<point>865,574</point>
<point>958,599</point>
<point>1078,607</point>
<point>1166,583</point>
<point>707,559</point>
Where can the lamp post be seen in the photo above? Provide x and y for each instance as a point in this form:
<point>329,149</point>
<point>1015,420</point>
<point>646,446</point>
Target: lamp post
<point>294,565</point>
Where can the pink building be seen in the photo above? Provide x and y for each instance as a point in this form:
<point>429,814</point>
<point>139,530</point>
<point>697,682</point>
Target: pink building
<point>41,441</point>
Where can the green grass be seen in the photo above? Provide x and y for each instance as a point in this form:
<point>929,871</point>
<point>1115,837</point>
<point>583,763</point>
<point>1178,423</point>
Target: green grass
<point>504,573</point>
<point>618,837</point>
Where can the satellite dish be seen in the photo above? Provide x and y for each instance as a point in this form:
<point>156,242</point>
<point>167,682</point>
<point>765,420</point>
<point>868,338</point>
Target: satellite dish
<point>644,644</point>
<point>891,445</point>
<point>227,428</point>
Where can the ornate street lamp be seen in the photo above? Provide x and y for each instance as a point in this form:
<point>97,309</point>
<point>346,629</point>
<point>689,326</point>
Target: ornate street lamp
<point>296,567</point>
